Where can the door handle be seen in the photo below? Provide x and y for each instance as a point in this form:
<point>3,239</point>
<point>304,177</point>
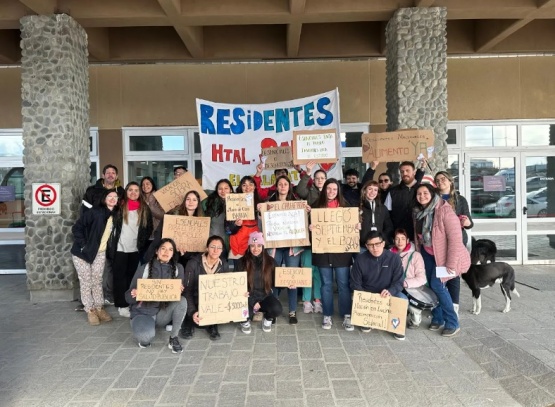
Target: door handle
<point>524,210</point>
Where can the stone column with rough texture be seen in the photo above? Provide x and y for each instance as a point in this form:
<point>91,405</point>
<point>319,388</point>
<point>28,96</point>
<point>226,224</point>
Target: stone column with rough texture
<point>55,108</point>
<point>416,74</point>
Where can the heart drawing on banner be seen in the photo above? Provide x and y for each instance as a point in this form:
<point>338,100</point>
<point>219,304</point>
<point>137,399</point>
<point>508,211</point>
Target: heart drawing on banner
<point>327,166</point>
<point>395,322</point>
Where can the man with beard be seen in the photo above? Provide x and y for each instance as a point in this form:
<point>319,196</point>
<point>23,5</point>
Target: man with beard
<point>400,199</point>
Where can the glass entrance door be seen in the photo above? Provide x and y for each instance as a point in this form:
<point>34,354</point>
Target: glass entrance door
<point>509,195</point>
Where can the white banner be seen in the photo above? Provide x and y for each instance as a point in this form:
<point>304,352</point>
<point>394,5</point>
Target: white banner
<point>233,136</point>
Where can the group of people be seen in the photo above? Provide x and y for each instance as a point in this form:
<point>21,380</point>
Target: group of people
<point>422,225</point>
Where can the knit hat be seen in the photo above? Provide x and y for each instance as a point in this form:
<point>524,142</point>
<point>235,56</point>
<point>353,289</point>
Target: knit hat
<point>428,179</point>
<point>256,238</point>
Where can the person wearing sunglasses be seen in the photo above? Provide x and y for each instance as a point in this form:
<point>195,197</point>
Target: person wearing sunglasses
<point>210,262</point>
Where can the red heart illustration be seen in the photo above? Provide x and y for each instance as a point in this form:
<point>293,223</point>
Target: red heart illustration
<point>327,166</point>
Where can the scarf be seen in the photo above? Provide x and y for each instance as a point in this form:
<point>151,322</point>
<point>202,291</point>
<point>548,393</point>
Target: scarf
<point>133,205</point>
<point>427,214</point>
<point>333,204</point>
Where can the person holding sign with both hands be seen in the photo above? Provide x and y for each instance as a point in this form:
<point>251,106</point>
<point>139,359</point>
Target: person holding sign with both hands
<point>208,263</point>
<point>146,315</point>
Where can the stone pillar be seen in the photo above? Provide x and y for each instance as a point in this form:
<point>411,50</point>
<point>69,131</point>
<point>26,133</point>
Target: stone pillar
<point>55,108</point>
<point>416,74</point>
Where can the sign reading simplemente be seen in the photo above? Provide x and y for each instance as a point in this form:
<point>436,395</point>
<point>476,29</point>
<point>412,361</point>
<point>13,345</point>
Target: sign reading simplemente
<point>293,277</point>
<point>335,230</point>
<point>284,224</point>
<point>372,311</point>
<point>315,145</point>
<point>239,206</point>
<point>190,233</point>
<point>172,195</point>
<point>221,298</point>
<point>399,145</point>
<point>277,157</point>
<point>165,290</point>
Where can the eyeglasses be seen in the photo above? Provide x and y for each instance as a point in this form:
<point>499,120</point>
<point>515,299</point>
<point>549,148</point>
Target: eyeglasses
<point>441,179</point>
<point>373,245</point>
<point>215,247</point>
<point>112,197</point>
<point>383,181</point>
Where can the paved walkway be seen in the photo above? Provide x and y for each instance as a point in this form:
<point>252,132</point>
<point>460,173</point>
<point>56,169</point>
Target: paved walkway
<point>49,356</point>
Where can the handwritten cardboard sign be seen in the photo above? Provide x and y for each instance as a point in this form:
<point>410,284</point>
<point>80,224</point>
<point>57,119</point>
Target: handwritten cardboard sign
<point>285,224</point>
<point>278,157</point>
<point>293,277</point>
<point>153,289</point>
<point>397,145</point>
<point>334,230</point>
<point>189,233</point>
<point>372,311</point>
<point>315,145</point>
<point>239,206</point>
<point>221,298</point>
<point>172,195</point>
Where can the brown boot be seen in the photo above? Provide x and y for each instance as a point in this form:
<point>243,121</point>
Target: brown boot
<point>102,315</point>
<point>93,318</point>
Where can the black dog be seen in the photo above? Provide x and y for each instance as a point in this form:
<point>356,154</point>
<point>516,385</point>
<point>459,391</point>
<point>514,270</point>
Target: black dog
<point>489,272</point>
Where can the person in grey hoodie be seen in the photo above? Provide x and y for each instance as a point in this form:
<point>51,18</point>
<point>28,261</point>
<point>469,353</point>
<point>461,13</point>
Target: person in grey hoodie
<point>147,315</point>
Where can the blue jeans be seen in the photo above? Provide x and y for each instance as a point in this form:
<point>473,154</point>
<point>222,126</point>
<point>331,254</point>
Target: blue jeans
<point>444,313</point>
<point>342,281</point>
<point>282,257</point>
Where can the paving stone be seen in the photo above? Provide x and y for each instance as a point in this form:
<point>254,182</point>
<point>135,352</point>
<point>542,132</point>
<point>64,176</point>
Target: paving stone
<point>289,390</point>
<point>130,379</point>
<point>287,344</point>
<point>319,398</point>
<point>223,349</point>
<point>204,400</point>
<point>207,383</point>
<point>346,389</point>
<point>255,400</point>
<point>310,350</point>
<point>498,369</point>
<point>316,380</point>
<point>340,371</point>
<point>184,375</point>
<point>262,383</point>
<point>334,355</point>
<point>93,390</point>
<point>313,365</point>
<point>232,395</point>
<point>330,342</point>
<point>116,398</point>
<point>288,373</point>
<point>213,365</point>
<point>287,359</point>
<point>239,358</point>
<point>517,385</point>
<point>163,367</point>
<point>236,374</point>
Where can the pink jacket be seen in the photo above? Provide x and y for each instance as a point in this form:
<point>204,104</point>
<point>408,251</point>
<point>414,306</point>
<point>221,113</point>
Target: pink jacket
<point>447,242</point>
<point>415,272</point>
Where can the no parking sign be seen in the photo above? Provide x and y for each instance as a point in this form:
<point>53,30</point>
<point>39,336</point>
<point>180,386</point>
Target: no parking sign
<point>46,199</point>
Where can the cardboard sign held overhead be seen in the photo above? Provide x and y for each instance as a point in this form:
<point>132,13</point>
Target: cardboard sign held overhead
<point>315,145</point>
<point>372,311</point>
<point>293,277</point>
<point>189,233</point>
<point>221,298</point>
<point>285,224</point>
<point>172,195</point>
<point>399,145</point>
<point>239,206</point>
<point>277,157</point>
<point>334,230</point>
<point>164,290</point>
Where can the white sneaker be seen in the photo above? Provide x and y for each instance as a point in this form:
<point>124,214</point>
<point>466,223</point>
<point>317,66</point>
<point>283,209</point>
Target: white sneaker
<point>347,323</point>
<point>246,327</point>
<point>365,330</point>
<point>318,307</point>
<point>124,312</point>
<point>327,323</point>
<point>267,325</point>
<point>307,307</point>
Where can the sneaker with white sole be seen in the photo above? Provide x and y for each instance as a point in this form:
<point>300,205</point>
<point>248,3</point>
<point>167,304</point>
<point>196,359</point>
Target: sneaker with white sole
<point>318,307</point>
<point>327,323</point>
<point>365,330</point>
<point>124,312</point>
<point>144,345</point>
<point>267,325</point>
<point>307,307</point>
<point>347,323</point>
<point>399,337</point>
<point>246,327</point>
<point>174,345</point>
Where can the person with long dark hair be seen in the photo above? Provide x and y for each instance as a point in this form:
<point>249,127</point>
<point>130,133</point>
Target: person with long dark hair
<point>446,188</point>
<point>214,207</point>
<point>210,262</point>
<point>132,229</point>
<point>374,216</point>
<point>260,268</point>
<point>438,238</point>
<point>241,229</point>
<point>148,188</point>
<point>331,264</point>
<point>147,315</point>
<point>90,241</point>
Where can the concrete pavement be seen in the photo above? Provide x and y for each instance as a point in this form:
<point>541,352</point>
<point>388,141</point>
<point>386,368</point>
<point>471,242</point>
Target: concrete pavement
<point>50,356</point>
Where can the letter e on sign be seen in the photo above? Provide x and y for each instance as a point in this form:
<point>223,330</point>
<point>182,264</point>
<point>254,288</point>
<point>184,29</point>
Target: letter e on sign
<point>46,199</point>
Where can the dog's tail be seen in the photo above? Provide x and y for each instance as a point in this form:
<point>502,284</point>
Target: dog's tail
<point>514,291</point>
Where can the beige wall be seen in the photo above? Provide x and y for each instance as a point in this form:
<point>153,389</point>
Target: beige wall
<point>164,95</point>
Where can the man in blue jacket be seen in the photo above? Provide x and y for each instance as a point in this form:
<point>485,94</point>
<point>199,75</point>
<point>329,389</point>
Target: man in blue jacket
<point>378,271</point>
